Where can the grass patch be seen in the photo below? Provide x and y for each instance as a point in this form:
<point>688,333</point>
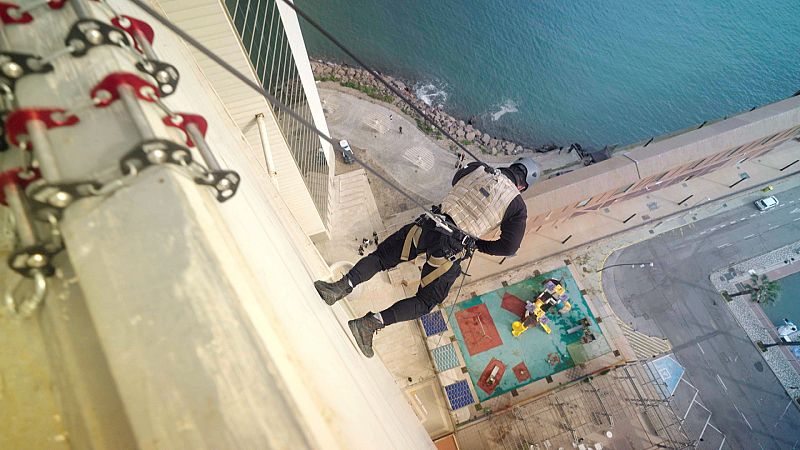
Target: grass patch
<point>425,127</point>
<point>327,78</point>
<point>371,91</point>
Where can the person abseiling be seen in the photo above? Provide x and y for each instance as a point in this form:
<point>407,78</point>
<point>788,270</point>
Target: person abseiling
<point>480,200</point>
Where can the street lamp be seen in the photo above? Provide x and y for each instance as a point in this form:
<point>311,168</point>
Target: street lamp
<point>763,347</point>
<point>641,265</point>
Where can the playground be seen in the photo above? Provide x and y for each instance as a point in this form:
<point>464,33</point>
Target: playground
<point>499,361</point>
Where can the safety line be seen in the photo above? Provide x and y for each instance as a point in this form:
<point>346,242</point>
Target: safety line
<point>377,76</point>
<point>464,274</point>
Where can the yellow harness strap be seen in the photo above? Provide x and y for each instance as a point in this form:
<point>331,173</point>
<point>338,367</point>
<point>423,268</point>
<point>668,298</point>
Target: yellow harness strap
<point>439,271</point>
<point>413,236</point>
<point>442,265</point>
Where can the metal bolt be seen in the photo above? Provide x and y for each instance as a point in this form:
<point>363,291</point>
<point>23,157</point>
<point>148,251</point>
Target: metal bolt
<point>115,37</point>
<point>94,37</point>
<point>12,70</point>
<point>162,76</point>
<point>157,156</point>
<point>36,260</point>
<point>14,13</point>
<point>224,184</point>
<point>60,199</point>
<point>102,96</point>
<point>77,44</point>
<point>148,92</point>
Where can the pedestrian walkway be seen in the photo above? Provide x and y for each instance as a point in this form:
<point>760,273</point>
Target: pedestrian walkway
<point>644,346</point>
<point>420,163</point>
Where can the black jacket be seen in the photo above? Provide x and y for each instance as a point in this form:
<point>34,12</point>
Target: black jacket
<point>512,228</point>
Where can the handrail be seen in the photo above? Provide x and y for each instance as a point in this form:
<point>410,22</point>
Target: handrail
<point>265,147</point>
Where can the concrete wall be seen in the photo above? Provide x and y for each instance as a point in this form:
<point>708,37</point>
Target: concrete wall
<point>206,329</point>
<point>644,169</point>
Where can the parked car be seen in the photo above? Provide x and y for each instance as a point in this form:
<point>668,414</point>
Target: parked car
<point>347,152</point>
<point>767,203</point>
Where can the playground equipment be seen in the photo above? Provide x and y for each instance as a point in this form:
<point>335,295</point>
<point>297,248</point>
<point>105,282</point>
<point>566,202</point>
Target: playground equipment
<point>554,295</point>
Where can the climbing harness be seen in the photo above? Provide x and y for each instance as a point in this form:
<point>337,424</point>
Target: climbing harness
<point>449,255</point>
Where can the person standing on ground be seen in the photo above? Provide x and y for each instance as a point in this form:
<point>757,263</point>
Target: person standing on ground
<point>401,130</point>
<point>481,200</point>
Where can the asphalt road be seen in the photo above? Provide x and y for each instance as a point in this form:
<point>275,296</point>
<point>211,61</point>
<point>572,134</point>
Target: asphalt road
<point>676,300</point>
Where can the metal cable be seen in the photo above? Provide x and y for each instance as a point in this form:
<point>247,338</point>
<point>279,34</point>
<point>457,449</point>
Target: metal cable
<point>377,76</point>
<point>464,274</point>
<point>270,98</point>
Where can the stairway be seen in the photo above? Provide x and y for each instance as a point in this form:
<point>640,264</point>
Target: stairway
<point>645,347</point>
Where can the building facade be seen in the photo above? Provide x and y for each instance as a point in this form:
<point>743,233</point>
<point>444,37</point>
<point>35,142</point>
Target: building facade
<point>654,165</point>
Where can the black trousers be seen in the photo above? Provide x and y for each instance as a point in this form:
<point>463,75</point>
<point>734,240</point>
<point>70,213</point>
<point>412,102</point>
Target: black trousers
<point>387,255</point>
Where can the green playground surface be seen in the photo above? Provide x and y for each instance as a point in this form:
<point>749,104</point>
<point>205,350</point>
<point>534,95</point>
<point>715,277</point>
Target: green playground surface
<point>534,347</point>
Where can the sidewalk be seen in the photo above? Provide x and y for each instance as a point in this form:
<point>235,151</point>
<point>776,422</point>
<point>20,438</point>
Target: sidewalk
<point>753,320</point>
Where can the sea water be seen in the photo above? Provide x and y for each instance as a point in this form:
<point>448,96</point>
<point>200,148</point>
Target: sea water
<point>588,71</point>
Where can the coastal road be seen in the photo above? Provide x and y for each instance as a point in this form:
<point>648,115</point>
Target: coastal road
<point>676,300</point>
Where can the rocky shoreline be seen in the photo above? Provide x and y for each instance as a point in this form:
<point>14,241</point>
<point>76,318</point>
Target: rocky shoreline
<point>465,132</point>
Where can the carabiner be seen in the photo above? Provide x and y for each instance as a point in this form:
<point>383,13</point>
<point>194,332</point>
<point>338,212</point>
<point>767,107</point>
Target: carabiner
<point>26,307</point>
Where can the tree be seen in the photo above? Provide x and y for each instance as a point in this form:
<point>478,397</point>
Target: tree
<point>762,290</point>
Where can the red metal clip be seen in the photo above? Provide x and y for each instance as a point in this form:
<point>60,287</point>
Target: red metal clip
<point>136,28</point>
<point>110,84</point>
<point>183,120</point>
<point>12,176</point>
<point>56,4</point>
<point>17,120</point>
<point>7,18</point>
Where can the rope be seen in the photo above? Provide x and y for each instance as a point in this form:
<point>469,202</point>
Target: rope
<point>455,299</point>
<point>270,98</point>
<point>377,76</point>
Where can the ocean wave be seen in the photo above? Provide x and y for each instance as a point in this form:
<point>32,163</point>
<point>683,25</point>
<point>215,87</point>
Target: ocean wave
<point>508,107</point>
<point>430,93</point>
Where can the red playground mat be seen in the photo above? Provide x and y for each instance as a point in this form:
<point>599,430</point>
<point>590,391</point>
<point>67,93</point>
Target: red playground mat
<point>513,304</point>
<point>483,380</point>
<point>521,371</point>
<point>478,329</point>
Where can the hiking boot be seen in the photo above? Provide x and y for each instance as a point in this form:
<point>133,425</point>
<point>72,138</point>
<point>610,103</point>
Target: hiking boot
<point>363,330</point>
<point>333,292</point>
